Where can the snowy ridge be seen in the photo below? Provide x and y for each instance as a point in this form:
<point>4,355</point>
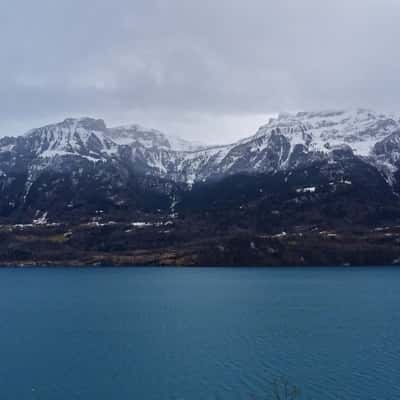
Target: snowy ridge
<point>84,137</point>
<point>291,139</point>
<point>285,142</point>
<point>150,138</point>
<point>360,129</point>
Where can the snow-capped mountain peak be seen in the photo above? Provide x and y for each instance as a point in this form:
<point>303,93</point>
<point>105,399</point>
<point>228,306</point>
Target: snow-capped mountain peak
<point>85,124</point>
<point>360,128</point>
<point>74,136</point>
<point>131,134</point>
<point>150,138</point>
<point>285,142</point>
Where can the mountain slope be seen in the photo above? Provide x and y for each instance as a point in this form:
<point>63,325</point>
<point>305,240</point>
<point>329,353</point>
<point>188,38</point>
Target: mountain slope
<point>292,140</point>
<point>79,168</point>
<point>283,143</point>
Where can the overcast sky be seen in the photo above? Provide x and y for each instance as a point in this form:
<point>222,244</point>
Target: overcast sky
<point>213,70</point>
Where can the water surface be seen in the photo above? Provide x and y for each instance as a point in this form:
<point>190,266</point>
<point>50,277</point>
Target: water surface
<point>199,333</point>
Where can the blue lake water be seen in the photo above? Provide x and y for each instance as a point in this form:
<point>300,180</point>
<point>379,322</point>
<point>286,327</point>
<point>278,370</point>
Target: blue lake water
<point>199,333</point>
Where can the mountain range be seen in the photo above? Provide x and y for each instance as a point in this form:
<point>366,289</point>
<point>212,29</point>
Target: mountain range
<point>308,188</point>
<point>80,168</point>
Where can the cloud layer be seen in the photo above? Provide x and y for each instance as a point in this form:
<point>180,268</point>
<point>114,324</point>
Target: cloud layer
<point>200,69</point>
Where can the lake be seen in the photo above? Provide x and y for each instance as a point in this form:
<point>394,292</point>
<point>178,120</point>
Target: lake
<point>95,334</point>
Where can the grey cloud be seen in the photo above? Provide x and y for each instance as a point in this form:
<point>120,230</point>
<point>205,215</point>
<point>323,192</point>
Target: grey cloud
<point>170,62</point>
